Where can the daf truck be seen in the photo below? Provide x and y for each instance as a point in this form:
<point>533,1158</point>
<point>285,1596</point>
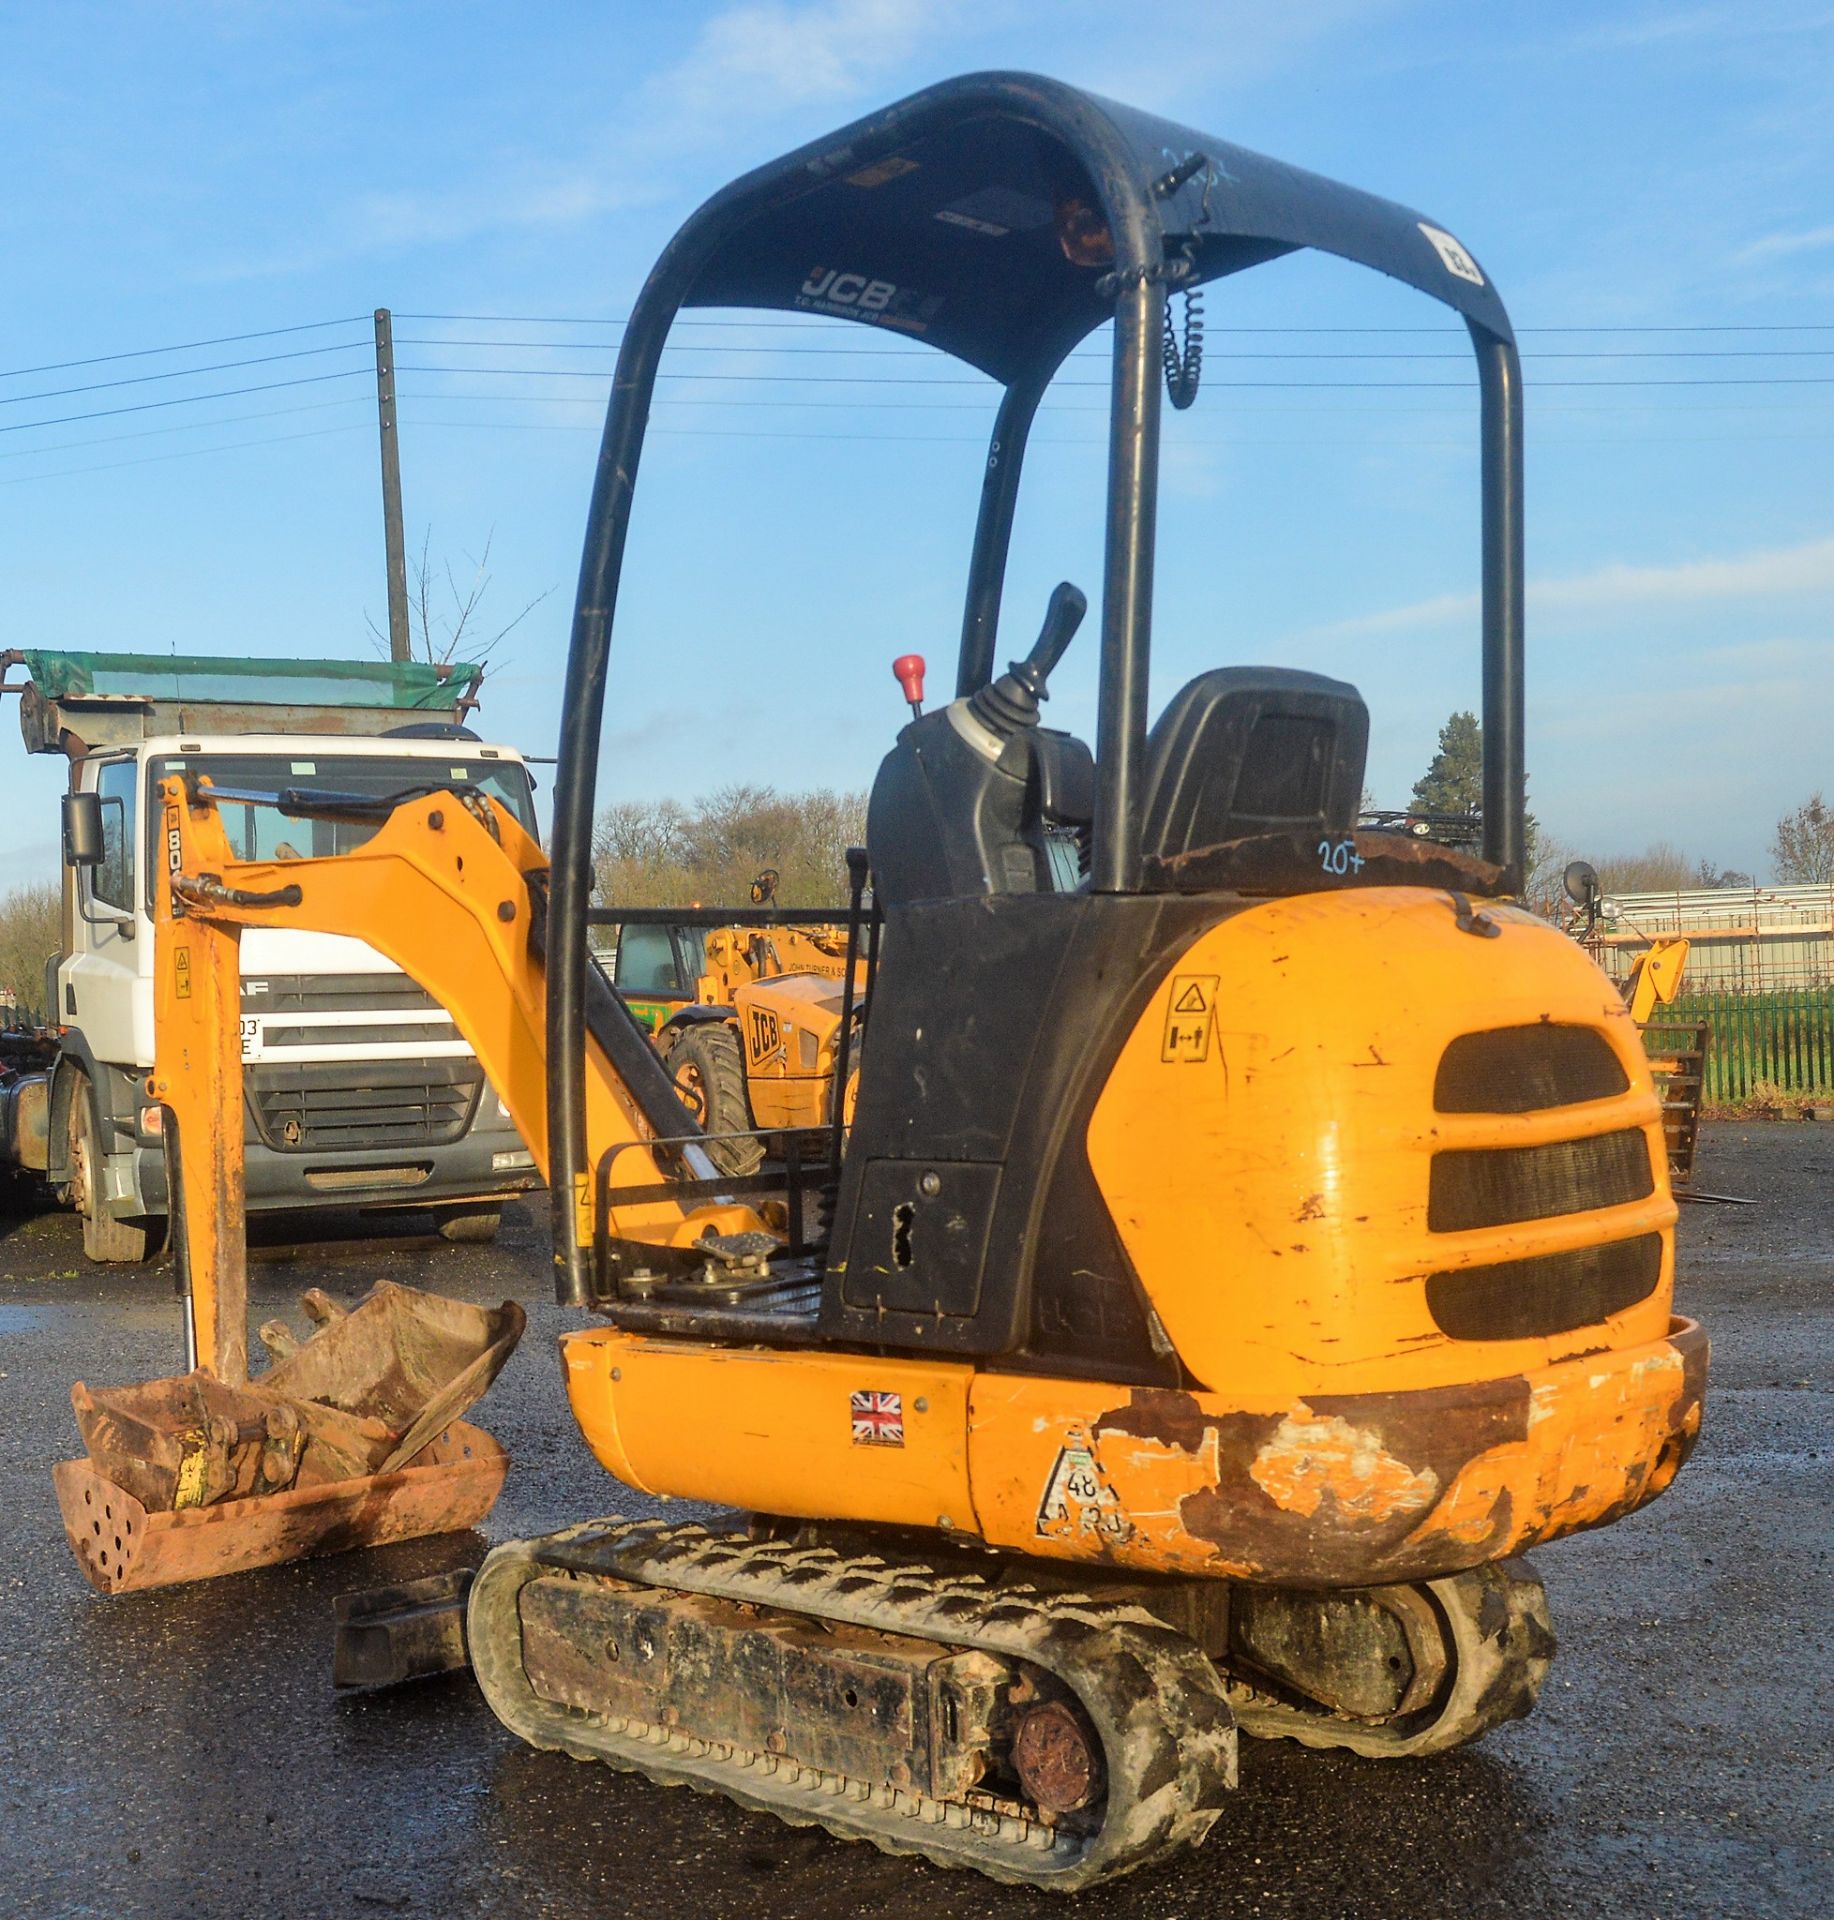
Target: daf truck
<point>360,1092</point>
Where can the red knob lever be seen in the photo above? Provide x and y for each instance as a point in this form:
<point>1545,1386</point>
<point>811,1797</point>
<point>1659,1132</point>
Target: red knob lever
<point>909,669</point>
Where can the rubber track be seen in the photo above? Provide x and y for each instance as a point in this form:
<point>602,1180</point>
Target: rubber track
<point>1156,1702</point>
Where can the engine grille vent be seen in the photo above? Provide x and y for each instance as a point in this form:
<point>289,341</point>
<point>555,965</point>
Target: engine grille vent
<point>376,1104</point>
<point>1550,1293</point>
<point>1524,1069</point>
<point>1472,1187</point>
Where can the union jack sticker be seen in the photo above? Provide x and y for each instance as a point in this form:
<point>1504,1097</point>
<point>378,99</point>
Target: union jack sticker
<point>878,1419</point>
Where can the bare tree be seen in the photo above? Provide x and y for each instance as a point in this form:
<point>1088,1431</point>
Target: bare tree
<point>1544,891</point>
<point>30,933</point>
<point>449,625</point>
<point>1802,854</point>
<point>1660,868</point>
<point>657,853</point>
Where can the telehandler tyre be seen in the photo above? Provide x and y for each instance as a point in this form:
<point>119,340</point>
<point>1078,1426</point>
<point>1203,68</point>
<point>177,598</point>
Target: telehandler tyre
<point>709,1074</point>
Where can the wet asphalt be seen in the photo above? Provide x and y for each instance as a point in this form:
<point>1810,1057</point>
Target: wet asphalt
<point>182,1753</point>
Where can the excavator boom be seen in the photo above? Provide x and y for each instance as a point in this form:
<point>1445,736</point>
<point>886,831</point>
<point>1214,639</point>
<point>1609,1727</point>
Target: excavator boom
<point>450,888</point>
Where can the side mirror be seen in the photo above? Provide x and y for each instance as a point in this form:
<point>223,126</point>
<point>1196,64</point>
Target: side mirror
<point>82,830</point>
<point>1581,883</point>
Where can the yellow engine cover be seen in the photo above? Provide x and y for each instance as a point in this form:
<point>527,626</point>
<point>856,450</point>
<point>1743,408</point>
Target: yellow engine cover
<point>1268,1161</point>
<point>1402,1295</point>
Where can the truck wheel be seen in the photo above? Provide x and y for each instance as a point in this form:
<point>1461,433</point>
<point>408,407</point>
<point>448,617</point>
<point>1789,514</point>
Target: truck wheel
<point>709,1074</point>
<point>106,1241</point>
<point>471,1226</point>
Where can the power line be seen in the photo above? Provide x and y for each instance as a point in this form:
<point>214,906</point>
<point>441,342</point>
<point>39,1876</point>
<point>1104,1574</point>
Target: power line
<point>904,353</point>
<point>184,346</point>
<point>881,382</point>
<point>178,373</point>
<point>183,400</point>
<point>183,426</point>
<point>976,440</point>
<point>1049,405</point>
<point>809,321</point>
<point>950,380</point>
<point>188,453</point>
<point>740,433</point>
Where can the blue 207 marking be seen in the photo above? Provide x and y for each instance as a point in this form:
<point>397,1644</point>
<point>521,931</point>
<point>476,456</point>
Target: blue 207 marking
<point>1339,856</point>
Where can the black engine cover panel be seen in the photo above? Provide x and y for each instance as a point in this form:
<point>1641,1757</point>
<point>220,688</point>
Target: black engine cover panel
<point>1003,1017</point>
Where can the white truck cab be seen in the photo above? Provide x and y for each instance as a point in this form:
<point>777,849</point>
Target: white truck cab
<point>359,1090</point>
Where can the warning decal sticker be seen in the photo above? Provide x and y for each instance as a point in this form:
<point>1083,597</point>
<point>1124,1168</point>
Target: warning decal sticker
<point>1078,1502</point>
<point>1189,1015</point>
<point>878,1419</point>
<point>1453,257</point>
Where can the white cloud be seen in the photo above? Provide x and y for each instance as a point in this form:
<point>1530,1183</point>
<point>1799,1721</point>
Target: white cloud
<point>1774,245</point>
<point>1808,568</point>
<point>750,61</point>
<point>762,56</point>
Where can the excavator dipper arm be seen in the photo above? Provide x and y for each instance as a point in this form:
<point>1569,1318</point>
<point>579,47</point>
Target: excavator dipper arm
<point>450,889</point>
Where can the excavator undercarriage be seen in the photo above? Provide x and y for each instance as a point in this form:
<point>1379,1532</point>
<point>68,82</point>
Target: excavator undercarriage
<point>980,1710</point>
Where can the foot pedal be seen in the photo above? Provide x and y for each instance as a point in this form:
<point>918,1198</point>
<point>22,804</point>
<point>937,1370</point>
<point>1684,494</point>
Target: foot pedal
<point>388,1635</point>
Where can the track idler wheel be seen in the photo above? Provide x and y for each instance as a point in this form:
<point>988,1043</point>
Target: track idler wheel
<point>1392,1672</point>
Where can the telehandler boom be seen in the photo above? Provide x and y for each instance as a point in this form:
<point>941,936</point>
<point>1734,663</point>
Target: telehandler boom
<point>1234,1261</point>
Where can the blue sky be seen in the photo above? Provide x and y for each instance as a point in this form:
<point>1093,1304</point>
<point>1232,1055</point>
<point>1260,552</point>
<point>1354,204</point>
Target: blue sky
<point>1666,173</point>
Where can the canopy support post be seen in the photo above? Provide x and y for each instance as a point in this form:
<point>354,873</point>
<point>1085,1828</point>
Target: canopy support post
<point>993,532</point>
<point>1127,586</point>
<point>1505,772</point>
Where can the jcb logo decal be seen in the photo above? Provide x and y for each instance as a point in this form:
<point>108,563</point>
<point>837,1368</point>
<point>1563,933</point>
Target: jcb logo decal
<point>764,1033</point>
<point>858,296</point>
<point>849,290</point>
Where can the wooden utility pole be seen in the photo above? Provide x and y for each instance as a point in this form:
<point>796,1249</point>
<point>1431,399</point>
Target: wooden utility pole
<point>400,645</point>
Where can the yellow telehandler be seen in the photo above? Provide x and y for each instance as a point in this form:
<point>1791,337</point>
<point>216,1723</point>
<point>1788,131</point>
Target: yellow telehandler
<point>747,1015</point>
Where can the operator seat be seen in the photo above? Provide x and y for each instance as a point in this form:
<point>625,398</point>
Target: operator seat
<point>1249,750</point>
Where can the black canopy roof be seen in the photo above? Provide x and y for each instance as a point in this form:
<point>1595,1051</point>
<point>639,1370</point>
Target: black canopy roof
<point>944,218</point>
<point>1000,218</point>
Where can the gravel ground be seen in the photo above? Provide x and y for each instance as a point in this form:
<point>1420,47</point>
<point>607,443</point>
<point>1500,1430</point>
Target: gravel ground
<point>182,1753</point>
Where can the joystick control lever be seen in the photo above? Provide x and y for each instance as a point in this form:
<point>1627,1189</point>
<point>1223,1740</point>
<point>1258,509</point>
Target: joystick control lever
<point>1012,701</point>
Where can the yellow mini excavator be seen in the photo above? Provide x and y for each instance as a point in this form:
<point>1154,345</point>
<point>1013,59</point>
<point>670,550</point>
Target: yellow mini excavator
<point>1242,1249</point>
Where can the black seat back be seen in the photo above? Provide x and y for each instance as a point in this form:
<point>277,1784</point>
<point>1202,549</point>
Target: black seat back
<point>1246,750</point>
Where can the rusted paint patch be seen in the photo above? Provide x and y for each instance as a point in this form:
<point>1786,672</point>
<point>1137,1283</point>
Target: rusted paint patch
<point>1160,1413</point>
<point>1328,1491</point>
<point>1309,1462</point>
<point>1343,1490</point>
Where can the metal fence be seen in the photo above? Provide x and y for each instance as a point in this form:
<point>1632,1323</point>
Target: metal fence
<point>1760,973</point>
<point>1762,1043</point>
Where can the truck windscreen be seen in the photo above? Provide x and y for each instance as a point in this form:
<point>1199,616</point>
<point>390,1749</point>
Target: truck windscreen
<point>261,833</point>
